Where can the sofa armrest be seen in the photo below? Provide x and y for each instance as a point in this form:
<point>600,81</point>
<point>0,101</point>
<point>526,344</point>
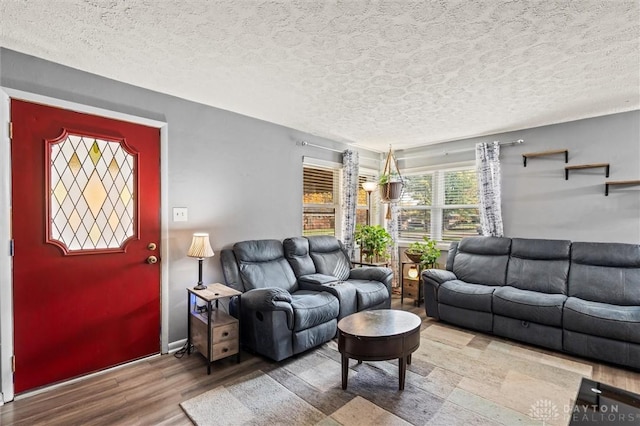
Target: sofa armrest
<point>269,299</point>
<point>437,276</point>
<point>431,280</point>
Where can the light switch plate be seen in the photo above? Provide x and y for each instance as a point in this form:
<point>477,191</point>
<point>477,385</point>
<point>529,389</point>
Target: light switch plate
<point>179,214</point>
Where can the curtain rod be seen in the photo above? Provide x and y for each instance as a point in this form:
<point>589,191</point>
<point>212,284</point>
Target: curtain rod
<point>456,151</point>
<point>305,143</point>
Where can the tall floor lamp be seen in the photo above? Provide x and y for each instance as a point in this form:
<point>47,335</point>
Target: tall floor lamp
<point>369,187</point>
<point>200,248</point>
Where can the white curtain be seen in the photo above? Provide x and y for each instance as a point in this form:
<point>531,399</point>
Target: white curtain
<point>488,168</point>
<point>392,228</point>
<point>350,170</point>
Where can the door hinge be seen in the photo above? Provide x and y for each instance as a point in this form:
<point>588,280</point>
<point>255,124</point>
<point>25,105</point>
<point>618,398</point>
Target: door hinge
<point>11,248</point>
<point>13,364</point>
<point>11,130</point>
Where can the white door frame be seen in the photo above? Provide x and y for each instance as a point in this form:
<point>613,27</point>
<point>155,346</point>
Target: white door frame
<point>6,261</point>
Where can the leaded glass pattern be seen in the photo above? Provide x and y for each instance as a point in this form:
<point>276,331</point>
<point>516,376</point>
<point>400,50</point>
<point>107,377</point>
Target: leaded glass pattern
<point>91,193</point>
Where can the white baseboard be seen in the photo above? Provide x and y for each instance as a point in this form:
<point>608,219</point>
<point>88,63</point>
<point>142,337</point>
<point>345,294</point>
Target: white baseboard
<point>177,345</point>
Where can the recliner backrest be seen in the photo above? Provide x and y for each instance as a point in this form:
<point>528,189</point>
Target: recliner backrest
<point>329,256</point>
<point>262,264</point>
<point>482,260</point>
<point>539,265</point>
<point>296,250</point>
<point>605,272</point>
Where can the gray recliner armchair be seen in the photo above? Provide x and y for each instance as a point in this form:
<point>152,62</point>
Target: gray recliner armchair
<point>278,317</point>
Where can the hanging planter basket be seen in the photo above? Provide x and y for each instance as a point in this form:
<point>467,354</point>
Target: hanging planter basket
<point>391,182</point>
<point>391,192</point>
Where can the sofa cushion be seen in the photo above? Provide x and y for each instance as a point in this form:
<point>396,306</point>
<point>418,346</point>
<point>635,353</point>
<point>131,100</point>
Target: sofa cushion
<point>466,295</point>
<point>482,260</point>
<point>329,257</point>
<point>262,264</point>
<point>539,265</point>
<point>369,293</point>
<point>601,319</point>
<point>296,250</point>
<point>541,308</point>
<point>605,273</point>
<point>311,308</point>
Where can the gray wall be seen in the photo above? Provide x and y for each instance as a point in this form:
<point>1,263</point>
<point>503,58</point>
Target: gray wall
<point>537,202</point>
<point>239,177</point>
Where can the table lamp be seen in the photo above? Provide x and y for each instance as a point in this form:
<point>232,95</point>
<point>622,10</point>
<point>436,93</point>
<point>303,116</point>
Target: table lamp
<point>200,248</point>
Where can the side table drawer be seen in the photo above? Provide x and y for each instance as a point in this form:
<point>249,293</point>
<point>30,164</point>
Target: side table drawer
<point>224,334</point>
<point>411,288</point>
<point>224,349</point>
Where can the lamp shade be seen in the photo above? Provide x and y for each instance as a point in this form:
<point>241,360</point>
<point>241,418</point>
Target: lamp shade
<point>369,186</point>
<point>412,272</point>
<point>200,246</point>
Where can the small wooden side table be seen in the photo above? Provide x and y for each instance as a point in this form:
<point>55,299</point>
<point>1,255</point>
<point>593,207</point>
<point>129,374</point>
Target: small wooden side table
<point>216,330</point>
<point>413,285</point>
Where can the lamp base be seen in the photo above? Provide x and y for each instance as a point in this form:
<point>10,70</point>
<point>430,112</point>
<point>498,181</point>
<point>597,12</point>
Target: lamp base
<point>200,287</point>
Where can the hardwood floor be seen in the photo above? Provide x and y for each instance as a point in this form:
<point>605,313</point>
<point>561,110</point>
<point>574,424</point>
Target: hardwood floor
<point>149,392</point>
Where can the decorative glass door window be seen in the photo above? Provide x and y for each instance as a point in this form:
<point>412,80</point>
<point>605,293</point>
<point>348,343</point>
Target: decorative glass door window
<point>91,194</point>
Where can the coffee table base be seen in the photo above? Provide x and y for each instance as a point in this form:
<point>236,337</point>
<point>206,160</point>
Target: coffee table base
<point>402,370</point>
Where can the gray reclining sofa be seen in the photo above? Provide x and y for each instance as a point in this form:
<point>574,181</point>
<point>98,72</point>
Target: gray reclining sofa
<point>296,291</point>
<point>582,298</point>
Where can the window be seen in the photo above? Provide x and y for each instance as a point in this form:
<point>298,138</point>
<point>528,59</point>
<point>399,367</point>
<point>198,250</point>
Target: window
<point>362,209</point>
<point>320,200</point>
<point>443,205</point>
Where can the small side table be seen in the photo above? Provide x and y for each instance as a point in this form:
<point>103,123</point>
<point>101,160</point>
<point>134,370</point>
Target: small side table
<point>214,329</point>
<point>413,285</point>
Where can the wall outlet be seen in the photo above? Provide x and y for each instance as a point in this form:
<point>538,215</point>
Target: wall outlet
<point>179,214</point>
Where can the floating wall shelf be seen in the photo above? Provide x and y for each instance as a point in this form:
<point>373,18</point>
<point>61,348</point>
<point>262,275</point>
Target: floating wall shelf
<point>545,153</point>
<point>586,166</point>
<point>619,183</point>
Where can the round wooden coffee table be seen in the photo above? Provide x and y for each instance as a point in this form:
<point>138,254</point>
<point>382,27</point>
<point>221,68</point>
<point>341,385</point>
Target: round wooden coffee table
<point>378,336</point>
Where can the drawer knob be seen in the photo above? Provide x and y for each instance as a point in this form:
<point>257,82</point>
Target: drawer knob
<point>225,350</point>
<point>225,334</point>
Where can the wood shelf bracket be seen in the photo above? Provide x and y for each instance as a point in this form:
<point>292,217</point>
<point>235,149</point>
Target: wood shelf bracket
<point>586,166</point>
<point>619,183</point>
<point>545,153</point>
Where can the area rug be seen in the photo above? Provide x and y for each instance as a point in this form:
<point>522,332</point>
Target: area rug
<point>455,377</point>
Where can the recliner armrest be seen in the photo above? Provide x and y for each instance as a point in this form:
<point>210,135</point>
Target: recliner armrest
<point>374,273</point>
<point>317,279</point>
<point>269,299</point>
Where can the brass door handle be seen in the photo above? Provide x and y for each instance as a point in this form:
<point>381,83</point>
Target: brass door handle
<point>151,260</point>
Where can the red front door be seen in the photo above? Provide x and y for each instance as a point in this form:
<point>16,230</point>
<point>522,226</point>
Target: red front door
<point>85,216</point>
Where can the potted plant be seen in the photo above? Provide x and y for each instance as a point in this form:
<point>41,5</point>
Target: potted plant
<point>374,242</point>
<point>390,181</point>
<point>390,187</point>
<point>426,253</point>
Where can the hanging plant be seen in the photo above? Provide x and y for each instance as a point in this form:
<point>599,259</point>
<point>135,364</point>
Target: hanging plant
<point>390,181</point>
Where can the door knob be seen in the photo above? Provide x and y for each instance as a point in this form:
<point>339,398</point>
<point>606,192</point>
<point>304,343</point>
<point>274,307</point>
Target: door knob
<point>152,246</point>
<point>151,260</point>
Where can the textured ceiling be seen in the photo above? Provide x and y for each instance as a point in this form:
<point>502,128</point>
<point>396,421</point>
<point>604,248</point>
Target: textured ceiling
<point>372,73</point>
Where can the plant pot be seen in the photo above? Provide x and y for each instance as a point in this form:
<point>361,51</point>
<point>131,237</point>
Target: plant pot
<point>391,191</point>
<point>413,256</point>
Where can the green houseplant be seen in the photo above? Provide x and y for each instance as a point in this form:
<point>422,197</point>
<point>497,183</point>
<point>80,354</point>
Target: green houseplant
<point>374,242</point>
<point>426,253</point>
